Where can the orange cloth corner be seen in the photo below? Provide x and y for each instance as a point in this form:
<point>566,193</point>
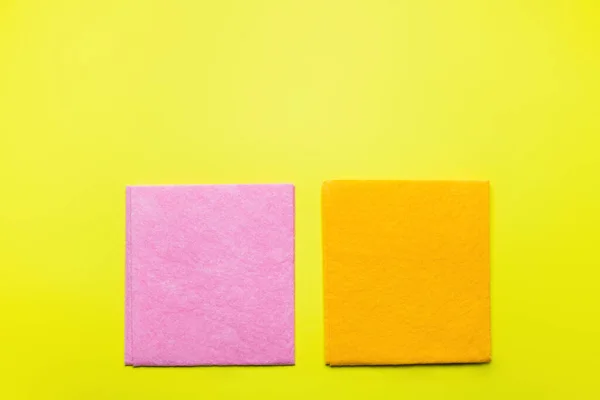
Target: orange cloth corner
<point>406,272</point>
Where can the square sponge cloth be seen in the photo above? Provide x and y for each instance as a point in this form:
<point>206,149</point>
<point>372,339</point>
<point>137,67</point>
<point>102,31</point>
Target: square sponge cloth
<point>209,275</point>
<point>406,272</point>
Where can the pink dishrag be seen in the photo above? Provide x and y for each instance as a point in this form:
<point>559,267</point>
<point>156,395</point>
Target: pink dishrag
<point>210,275</point>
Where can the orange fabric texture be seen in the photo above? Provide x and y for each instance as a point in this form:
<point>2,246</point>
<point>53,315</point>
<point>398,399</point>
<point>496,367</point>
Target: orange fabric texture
<point>406,272</point>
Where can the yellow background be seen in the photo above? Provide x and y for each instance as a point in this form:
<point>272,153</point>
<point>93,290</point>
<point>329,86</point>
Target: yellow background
<point>95,95</point>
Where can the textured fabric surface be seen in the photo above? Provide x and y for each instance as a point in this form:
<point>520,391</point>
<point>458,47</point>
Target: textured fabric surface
<point>406,272</point>
<point>210,275</point>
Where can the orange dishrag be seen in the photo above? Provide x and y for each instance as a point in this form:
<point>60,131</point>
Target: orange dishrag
<point>406,272</point>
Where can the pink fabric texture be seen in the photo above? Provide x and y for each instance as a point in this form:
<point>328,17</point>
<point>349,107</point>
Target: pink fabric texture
<point>210,275</point>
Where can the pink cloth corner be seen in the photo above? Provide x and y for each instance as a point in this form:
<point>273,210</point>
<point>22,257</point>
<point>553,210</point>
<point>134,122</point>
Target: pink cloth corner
<point>210,275</point>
